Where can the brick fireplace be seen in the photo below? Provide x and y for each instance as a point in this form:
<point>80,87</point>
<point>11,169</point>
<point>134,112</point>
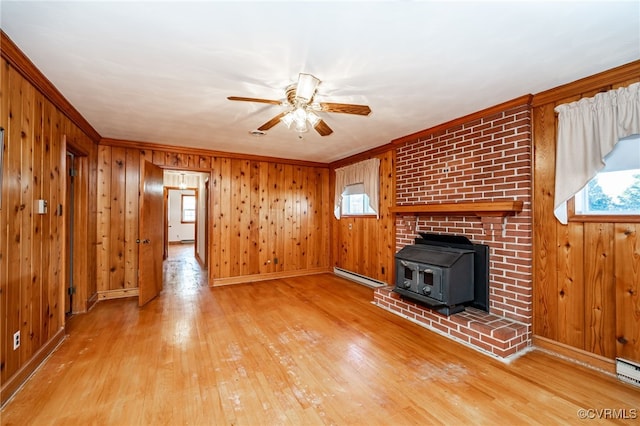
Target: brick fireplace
<point>484,160</point>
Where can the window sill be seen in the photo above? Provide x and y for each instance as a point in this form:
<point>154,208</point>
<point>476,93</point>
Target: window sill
<point>358,215</point>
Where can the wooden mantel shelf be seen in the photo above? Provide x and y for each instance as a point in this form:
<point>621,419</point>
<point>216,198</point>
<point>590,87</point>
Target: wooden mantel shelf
<point>478,208</point>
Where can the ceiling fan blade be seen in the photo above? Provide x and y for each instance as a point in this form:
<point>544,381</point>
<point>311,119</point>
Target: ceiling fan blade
<point>323,128</point>
<point>345,108</point>
<point>275,120</point>
<point>263,101</point>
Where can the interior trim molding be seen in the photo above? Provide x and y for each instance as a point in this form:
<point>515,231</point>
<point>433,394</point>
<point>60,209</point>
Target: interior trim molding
<point>575,355</point>
<point>246,279</point>
<point>204,152</point>
<point>11,386</point>
<point>576,88</point>
<point>119,293</point>
<point>23,65</point>
<point>505,106</point>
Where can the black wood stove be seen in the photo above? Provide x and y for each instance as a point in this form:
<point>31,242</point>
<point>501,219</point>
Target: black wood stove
<point>444,272</point>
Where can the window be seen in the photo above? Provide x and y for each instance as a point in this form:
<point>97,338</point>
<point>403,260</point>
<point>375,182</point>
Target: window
<point>355,202</point>
<point>357,189</point>
<point>188,208</point>
<point>589,130</point>
<point>615,190</point>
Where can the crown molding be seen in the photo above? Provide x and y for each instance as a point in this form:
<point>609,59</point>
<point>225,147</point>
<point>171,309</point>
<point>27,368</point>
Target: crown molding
<point>513,103</point>
<point>603,80</point>
<point>205,152</point>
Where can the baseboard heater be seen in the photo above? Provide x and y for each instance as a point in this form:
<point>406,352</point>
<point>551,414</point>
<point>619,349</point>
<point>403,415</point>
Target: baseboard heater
<point>628,371</point>
<point>361,279</point>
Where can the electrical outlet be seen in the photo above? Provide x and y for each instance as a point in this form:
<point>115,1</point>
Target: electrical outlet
<point>16,340</point>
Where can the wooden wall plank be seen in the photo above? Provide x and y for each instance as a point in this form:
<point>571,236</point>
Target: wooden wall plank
<point>627,276</point>
<point>254,218</point>
<point>226,220</point>
<point>599,289</point>
<point>264,237</point>
<point>545,315</point>
<point>26,232</point>
<point>104,217</point>
<point>57,244</point>
<point>280,199</point>
<point>4,220</point>
<point>117,219</point>
<point>132,179</point>
<point>289,217</point>
<point>38,280</point>
<point>12,203</point>
<point>571,286</point>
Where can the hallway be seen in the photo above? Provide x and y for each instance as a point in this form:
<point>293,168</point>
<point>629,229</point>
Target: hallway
<point>182,273</point>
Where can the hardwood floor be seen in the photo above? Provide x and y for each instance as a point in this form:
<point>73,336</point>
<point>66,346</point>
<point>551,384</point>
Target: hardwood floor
<point>307,350</point>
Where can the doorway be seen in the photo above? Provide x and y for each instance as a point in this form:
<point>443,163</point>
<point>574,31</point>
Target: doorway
<point>74,208</point>
<point>186,199</point>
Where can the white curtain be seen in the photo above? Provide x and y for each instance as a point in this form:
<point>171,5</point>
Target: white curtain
<point>588,130</point>
<point>366,173</point>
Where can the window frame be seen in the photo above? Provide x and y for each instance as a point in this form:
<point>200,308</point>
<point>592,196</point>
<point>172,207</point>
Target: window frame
<point>614,218</point>
<point>344,202</point>
<point>182,209</point>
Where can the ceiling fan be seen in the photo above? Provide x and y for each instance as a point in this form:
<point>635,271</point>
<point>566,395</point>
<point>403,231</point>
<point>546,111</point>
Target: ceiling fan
<point>300,108</point>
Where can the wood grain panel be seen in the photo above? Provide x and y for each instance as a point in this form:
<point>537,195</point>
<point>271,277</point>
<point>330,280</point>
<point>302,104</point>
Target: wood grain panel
<point>132,179</point>
<point>262,222</point>
<point>27,200</point>
<point>4,220</point>
<point>11,202</point>
<point>254,218</point>
<point>32,247</point>
<point>584,273</point>
<point>104,217</point>
<point>545,319</point>
<point>599,289</point>
<point>627,276</point>
<point>117,219</point>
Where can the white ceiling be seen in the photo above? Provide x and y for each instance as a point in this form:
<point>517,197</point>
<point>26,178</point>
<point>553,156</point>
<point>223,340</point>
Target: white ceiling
<point>158,71</point>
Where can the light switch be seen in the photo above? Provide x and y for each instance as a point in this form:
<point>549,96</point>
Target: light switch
<point>41,206</point>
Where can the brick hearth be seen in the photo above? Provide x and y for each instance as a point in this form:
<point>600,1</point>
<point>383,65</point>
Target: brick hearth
<point>491,334</point>
<point>485,160</point>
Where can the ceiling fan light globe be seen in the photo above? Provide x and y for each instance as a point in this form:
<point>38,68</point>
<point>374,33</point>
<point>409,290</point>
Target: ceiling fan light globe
<point>299,116</point>
<point>306,88</point>
<point>312,118</point>
<point>302,127</point>
<point>288,119</point>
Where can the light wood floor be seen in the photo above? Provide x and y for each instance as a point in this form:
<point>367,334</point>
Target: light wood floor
<point>308,350</point>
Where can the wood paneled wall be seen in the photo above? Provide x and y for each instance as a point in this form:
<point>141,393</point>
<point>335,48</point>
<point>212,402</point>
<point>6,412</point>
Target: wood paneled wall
<point>267,219</point>
<point>32,246</point>
<point>366,245</point>
<point>586,274</point>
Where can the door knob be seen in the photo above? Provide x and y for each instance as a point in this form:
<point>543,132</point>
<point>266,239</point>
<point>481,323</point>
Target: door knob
<point>146,241</point>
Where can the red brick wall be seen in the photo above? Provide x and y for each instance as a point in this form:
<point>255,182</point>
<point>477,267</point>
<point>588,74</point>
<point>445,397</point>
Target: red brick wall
<point>488,159</point>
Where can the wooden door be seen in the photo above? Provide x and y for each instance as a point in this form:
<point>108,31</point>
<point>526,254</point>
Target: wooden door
<point>151,233</point>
